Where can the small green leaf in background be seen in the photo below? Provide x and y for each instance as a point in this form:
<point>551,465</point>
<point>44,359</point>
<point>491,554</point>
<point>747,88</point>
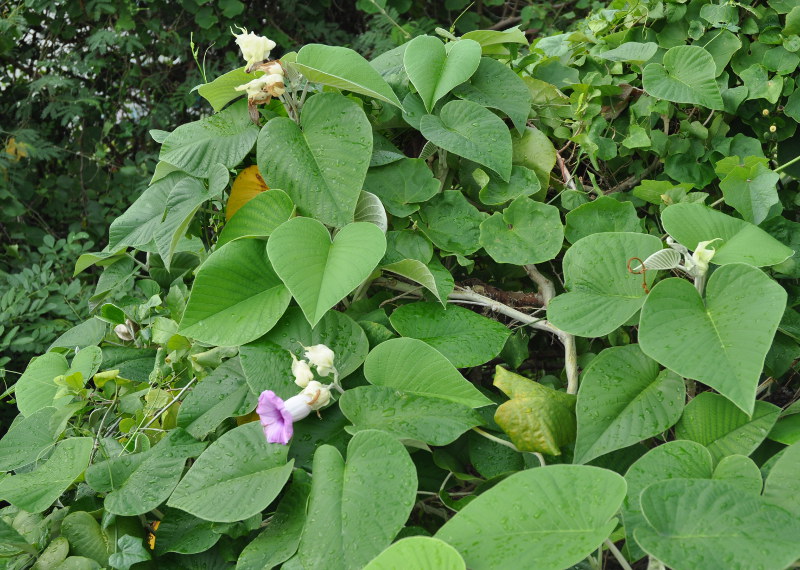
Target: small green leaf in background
<point>402,185</point>
<point>602,215</point>
<point>343,68</point>
<point>633,52</point>
<point>236,297</point>
<point>463,336</point>
<point>496,86</point>
<point>523,182</point>
<point>526,232</point>
<point>320,273</point>
<point>699,523</point>
<point>359,506</point>
<point>673,460</point>
<point>782,486</point>
<point>37,490</point>
<point>740,471</point>
<point>89,542</point>
<point>602,294</point>
<point>435,69</point>
<point>724,429</point>
<point>404,415</point>
<point>741,242</point>
<point>538,518</point>
<point>532,149</point>
<point>222,90</point>
<point>13,542</point>
<point>258,217</point>
<point>236,477</point>
<point>140,482</point>
<point>760,85</point>
<point>30,437</point>
<point>183,533</point>
<point>536,418</point>
<point>472,131</point>
<point>369,208</point>
<point>418,552</point>
<point>751,189</point>
<point>137,226</point>
<point>224,138</point>
<point>320,164</point>
<point>418,272</point>
<point>709,341</point>
<point>183,201</point>
<point>414,366</point>
<point>451,222</point>
<point>278,542</point>
<point>35,389</point>
<point>130,551</point>
<point>624,398</point>
<point>686,75</point>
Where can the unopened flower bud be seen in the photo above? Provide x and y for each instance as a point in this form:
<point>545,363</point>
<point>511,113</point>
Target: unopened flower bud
<point>301,371</point>
<point>255,49</point>
<point>322,357</point>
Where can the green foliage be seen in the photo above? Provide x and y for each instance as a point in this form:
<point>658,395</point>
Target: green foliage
<point>612,206</point>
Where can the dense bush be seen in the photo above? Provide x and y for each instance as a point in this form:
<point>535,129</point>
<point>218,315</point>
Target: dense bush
<point>539,296</point>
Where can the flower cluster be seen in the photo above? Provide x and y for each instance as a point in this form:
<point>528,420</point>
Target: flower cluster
<point>278,415</point>
<point>256,50</point>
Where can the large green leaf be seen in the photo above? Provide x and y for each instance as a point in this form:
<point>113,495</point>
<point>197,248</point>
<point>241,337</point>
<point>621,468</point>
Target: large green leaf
<point>322,163</point>
<point>686,75</point>
<point>723,428</point>
<point>603,294</point>
<point>183,201</point>
<point>525,232</point>
<point>418,552</point>
<point>602,215</point>
<point>91,545</point>
<point>523,182</point>
<point>222,90</point>
<point>259,217</point>
<point>140,482</point>
<point>402,184</point>
<point>358,507</point>
<point>279,540</point>
<point>495,85</point>
<point>624,398</point>
<point>435,70</point>
<point>37,490</point>
<point>413,366</point>
<point>236,477</point>
<point>698,523</point>
<point>740,241</point>
<point>539,518</point>
<point>224,138</point>
<point>782,486</point>
<point>537,418</point>
<point>722,342</point>
<point>672,460</point>
<point>344,69</point>
<point>30,437</point>
<point>222,394</point>
<point>404,415</point>
<point>472,131</point>
<point>751,189</point>
<point>451,222</point>
<point>138,224</point>
<point>236,297</point>
<point>183,533</point>
<point>463,336</point>
<point>532,149</point>
<point>267,363</point>
<point>35,389</point>
<point>320,273</point>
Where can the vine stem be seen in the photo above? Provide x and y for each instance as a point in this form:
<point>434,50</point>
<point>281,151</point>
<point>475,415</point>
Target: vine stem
<point>785,164</point>
<point>466,294</point>
<point>175,399</point>
<point>496,439</point>
<point>618,555</point>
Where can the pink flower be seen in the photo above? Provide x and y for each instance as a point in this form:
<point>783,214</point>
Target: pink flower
<point>278,416</point>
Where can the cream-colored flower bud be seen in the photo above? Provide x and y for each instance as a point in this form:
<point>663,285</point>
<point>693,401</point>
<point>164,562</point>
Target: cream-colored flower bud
<point>317,394</point>
<point>322,357</point>
<point>301,371</point>
<point>255,49</point>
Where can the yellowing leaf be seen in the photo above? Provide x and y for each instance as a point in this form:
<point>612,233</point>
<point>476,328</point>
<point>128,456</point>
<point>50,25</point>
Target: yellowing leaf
<point>247,186</point>
<point>15,149</point>
<point>536,418</point>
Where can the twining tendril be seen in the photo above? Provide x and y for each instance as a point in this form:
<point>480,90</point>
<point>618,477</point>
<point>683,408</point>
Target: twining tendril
<point>641,271</point>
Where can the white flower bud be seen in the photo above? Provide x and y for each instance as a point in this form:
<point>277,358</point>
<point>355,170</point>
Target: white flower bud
<point>701,256</point>
<point>301,371</point>
<point>317,395</point>
<point>255,49</point>
<point>322,357</point>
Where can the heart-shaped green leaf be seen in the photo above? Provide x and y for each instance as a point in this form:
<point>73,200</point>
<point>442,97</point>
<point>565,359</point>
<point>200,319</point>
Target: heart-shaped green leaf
<point>602,215</point>
<point>603,294</point>
<point>322,167</point>
<point>435,421</point>
<point>223,489</point>
<point>318,272</point>
<point>723,428</point>
<point>258,217</point>
<point>236,296</point>
<point>722,342</point>
<point>357,508</point>
<point>472,131</point>
<point>435,70</point>
<point>701,523</point>
<point>463,336</point>
<point>686,75</point>
<point>413,366</point>
<point>538,518</point>
<point>751,189</point>
<point>536,418</point>
<point>402,184</point>
<point>342,68</point>
<point>418,552</point>
<point>623,399</point>
<point>526,232</point>
<point>740,241</point>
